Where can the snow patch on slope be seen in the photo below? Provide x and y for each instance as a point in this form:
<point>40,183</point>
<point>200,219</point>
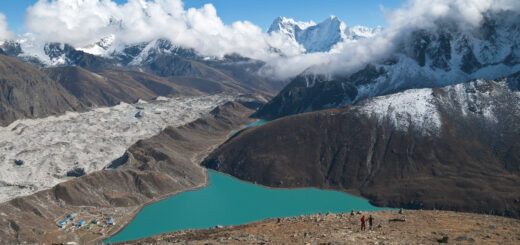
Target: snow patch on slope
<point>414,108</point>
<point>103,47</point>
<point>50,147</point>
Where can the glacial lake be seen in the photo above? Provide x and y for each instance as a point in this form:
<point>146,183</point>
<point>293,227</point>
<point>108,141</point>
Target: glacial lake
<point>255,124</point>
<point>228,201</point>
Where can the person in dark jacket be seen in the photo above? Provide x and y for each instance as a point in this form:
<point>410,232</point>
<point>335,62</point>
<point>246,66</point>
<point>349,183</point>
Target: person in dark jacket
<point>370,221</point>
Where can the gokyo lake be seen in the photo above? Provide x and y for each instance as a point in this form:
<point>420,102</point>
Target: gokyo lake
<point>228,201</point>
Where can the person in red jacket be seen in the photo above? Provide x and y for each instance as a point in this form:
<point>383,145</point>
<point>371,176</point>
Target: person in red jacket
<point>363,220</point>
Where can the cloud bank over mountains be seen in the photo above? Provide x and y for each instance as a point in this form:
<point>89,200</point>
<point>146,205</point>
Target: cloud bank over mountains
<point>83,22</point>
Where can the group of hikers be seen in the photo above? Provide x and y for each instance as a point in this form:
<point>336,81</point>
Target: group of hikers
<point>364,220</point>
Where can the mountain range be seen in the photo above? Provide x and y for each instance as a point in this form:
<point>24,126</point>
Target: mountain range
<point>140,71</point>
<point>434,56</point>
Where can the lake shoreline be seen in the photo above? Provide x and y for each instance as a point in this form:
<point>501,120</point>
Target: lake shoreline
<point>231,203</point>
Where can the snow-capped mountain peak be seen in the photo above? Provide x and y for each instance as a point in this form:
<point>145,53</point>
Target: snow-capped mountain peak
<point>288,25</point>
<point>103,47</point>
<point>320,37</point>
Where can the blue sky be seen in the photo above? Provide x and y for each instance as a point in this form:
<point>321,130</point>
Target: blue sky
<point>260,12</point>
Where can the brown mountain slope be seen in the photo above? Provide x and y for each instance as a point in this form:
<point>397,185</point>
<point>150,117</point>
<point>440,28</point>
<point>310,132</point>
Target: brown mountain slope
<point>469,163</point>
<point>152,169</point>
<point>110,87</point>
<point>26,92</point>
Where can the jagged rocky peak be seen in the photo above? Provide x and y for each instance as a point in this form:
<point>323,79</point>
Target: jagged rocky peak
<point>320,37</point>
<point>448,46</point>
<point>288,25</point>
<point>11,48</point>
<point>147,51</point>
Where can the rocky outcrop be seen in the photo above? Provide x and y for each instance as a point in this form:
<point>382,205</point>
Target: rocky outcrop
<point>26,92</point>
<point>452,148</point>
<point>156,168</point>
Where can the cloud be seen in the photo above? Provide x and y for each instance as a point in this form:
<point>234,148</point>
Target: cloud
<point>82,22</point>
<point>5,33</point>
<point>422,13</point>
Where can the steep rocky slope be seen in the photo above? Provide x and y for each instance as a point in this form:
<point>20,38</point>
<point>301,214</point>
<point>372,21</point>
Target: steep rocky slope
<point>438,55</point>
<point>26,92</point>
<point>453,148</point>
<point>151,170</point>
<point>419,227</point>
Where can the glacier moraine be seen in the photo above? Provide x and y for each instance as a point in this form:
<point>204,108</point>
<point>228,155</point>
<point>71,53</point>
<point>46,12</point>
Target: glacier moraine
<point>36,154</point>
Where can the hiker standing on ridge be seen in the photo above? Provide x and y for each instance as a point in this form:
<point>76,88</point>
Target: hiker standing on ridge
<point>363,223</point>
<point>370,221</point>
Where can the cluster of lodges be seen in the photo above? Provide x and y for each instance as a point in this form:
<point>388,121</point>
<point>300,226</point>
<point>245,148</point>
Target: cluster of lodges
<point>70,217</point>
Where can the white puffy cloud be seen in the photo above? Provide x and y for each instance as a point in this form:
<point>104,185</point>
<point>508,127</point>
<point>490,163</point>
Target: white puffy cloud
<point>82,22</point>
<point>423,13</point>
<point>5,33</point>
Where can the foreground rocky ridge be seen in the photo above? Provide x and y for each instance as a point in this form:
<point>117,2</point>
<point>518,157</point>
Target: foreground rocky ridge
<point>454,148</point>
<point>151,170</point>
<point>413,227</point>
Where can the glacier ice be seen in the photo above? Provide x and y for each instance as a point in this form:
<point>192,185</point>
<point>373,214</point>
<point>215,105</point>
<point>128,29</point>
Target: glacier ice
<point>49,147</point>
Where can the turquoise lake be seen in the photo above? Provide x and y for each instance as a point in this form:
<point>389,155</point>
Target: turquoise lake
<point>228,201</point>
<point>255,124</point>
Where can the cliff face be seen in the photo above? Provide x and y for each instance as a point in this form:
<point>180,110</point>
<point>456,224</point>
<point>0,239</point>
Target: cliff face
<point>151,170</point>
<point>453,148</point>
<point>26,92</point>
